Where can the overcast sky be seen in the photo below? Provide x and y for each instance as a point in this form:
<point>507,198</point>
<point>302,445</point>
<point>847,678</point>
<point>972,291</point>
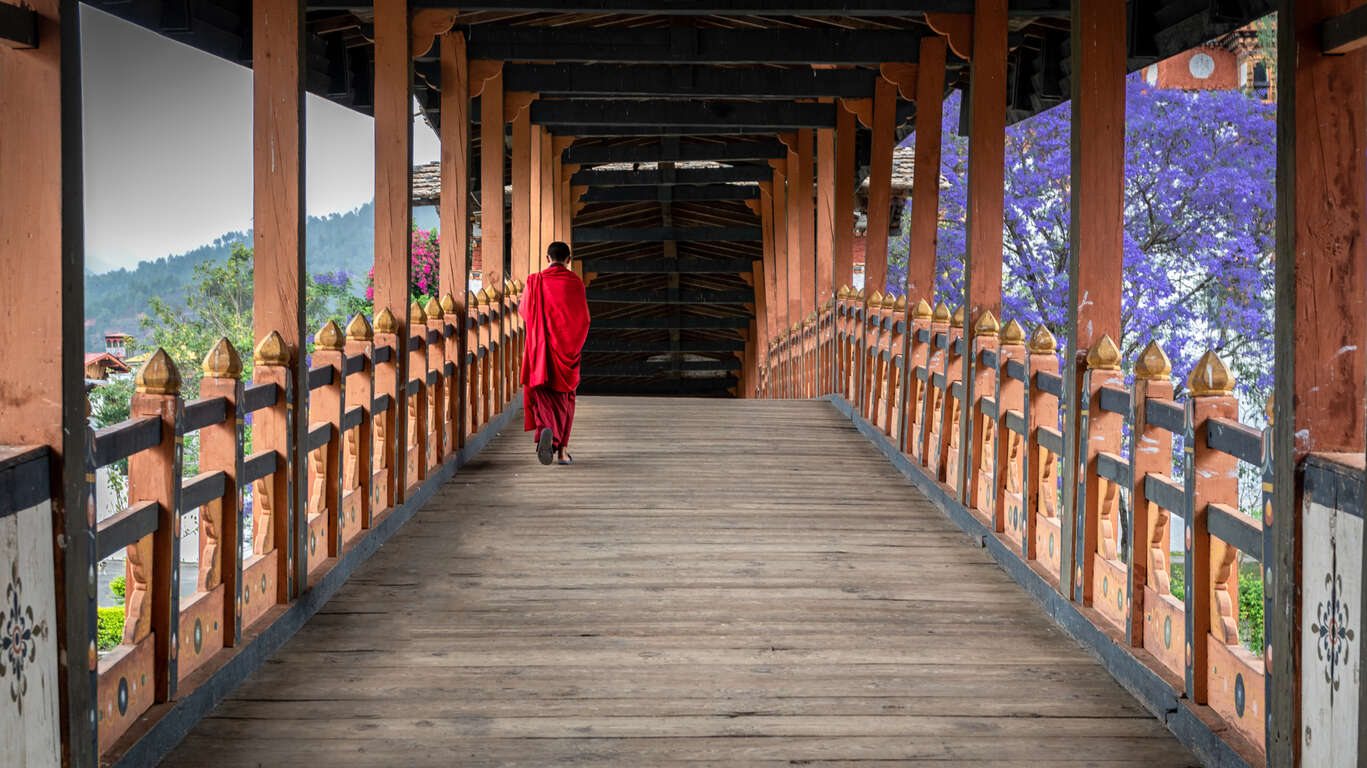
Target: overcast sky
<point>168,146</point>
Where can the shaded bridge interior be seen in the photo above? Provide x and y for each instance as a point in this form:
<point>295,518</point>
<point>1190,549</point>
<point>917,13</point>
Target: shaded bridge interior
<point>675,109</point>
<point>693,589</point>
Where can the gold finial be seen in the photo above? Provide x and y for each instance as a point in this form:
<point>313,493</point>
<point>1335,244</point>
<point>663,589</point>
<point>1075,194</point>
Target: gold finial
<point>484,298</point>
<point>876,300</point>
<point>860,295</point>
<point>507,287</point>
<point>889,301</point>
<point>519,285</point>
<point>1210,376</point>
<point>495,292</point>
<point>385,322</point>
<point>359,329</point>
<point>329,337</point>
<point>1013,333</point>
<point>987,325</point>
<point>1104,355</point>
<point>957,321</point>
<point>844,292</point>
<point>901,305</point>
<point>941,313</point>
<point>471,299</point>
<point>222,362</point>
<point>922,310</point>
<point>448,303</point>
<point>1152,363</point>
<point>829,304</point>
<point>433,309</point>
<point>272,350</point>
<point>1269,410</point>
<point>1042,341</point>
<point>415,313</point>
<point>158,375</point>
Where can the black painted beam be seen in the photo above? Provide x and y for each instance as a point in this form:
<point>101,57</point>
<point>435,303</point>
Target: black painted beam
<point>668,323</point>
<point>676,152</point>
<point>666,234</point>
<point>716,386</point>
<point>664,297</point>
<point>864,8</point>
<point>682,45</point>
<point>661,368</point>
<point>726,175</point>
<point>1345,32</point>
<point>18,26</point>
<point>693,346</point>
<point>775,115</point>
<point>668,266</point>
<point>684,194</point>
<point>592,131</point>
<point>609,80</point>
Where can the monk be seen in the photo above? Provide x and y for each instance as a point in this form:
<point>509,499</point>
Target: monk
<point>556,312</point>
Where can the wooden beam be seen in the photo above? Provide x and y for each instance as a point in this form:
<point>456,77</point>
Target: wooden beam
<point>925,189</point>
<point>800,190</point>
<point>667,323</point>
<point>775,115</point>
<point>393,209</point>
<point>681,194</point>
<point>1096,228</point>
<point>880,187</point>
<point>43,384</point>
<point>18,26</point>
<point>718,386</point>
<point>694,82</point>
<point>1320,366</point>
<point>750,8</point>
<point>546,195</point>
<point>684,266</point>
<point>825,213</point>
<point>682,45</point>
<point>843,258</point>
<point>672,152</point>
<point>522,195</point>
<point>663,234</point>
<point>278,34</point>
<point>670,176</point>
<point>667,297</point>
<point>779,205</point>
<point>794,233</point>
<point>1344,32</point>
<point>664,368</point>
<point>454,232</point>
<point>634,347</point>
<point>535,245</point>
<point>680,129</point>
<point>491,152</point>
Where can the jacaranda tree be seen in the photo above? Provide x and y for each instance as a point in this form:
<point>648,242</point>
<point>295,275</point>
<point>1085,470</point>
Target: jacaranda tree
<point>1199,216</point>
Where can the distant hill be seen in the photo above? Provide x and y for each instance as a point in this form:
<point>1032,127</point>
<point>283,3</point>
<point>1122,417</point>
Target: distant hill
<point>115,300</point>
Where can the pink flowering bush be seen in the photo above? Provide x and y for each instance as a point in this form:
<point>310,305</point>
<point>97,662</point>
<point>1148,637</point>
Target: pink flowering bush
<point>423,271</point>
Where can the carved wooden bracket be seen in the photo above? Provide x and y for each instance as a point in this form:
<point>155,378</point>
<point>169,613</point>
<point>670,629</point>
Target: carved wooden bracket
<point>482,71</point>
<point>903,76</point>
<point>957,29</point>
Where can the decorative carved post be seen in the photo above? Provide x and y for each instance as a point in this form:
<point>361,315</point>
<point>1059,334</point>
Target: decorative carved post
<point>325,482</point>
<point>273,497</point>
<point>935,394</point>
<point>952,412</point>
<point>914,393</point>
<point>980,481</point>
<point>153,589</point>
<point>1150,452</point>
<point>358,488</point>
<point>220,448</point>
<point>436,395</point>
<point>1098,571</point>
<point>389,451</point>
<point>415,450</point>
<point>454,315</point>
<point>1043,537</point>
<point>1008,509</point>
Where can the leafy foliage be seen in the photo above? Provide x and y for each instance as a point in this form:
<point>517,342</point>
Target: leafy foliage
<point>423,276</point>
<point>1251,622</point>
<point>109,632</point>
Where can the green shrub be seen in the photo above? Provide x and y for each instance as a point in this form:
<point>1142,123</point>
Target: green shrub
<point>1178,573</point>
<point>117,586</point>
<point>110,631</point>
<point>1250,602</point>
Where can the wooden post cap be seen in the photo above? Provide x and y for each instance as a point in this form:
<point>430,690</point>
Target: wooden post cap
<point>329,337</point>
<point>158,375</point>
<point>415,313</point>
<point>448,303</point>
<point>957,320</point>
<point>272,350</point>
<point>941,313</point>
<point>922,310</point>
<point>433,309</point>
<point>987,325</point>
<point>876,300</point>
<point>889,301</point>
<point>843,293</point>
<point>222,362</point>
<point>359,329</point>
<point>1104,355</point>
<point>483,297</point>
<point>1042,341</point>
<point>1013,333</point>
<point>385,322</point>
<point>901,304</point>
<point>1153,363</point>
<point>471,300</point>
<point>1210,377</point>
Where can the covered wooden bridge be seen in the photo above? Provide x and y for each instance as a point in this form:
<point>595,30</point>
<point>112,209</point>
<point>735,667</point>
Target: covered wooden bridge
<point>899,537</point>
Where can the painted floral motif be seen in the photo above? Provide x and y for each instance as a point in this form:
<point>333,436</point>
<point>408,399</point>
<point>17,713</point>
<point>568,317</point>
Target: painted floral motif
<point>19,635</point>
<point>1331,627</point>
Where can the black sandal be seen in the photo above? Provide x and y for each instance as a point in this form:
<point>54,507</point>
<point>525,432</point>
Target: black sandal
<point>545,451</point>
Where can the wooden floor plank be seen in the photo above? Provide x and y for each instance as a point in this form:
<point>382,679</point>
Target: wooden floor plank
<point>713,582</point>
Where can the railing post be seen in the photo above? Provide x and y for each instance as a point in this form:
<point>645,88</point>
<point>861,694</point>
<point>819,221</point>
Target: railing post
<point>1009,508</point>
<point>1150,452</point>
<point>454,331</point>
<point>415,452</point>
<point>980,462</point>
<point>325,516</point>
<point>153,575</point>
<point>389,453</point>
<point>935,395</point>
<point>360,439</point>
<point>1096,533</point>
<point>916,353</point>
<point>437,394</point>
<point>490,357</point>
<point>273,498</point>
<point>896,320</point>
<point>221,448</point>
<point>1043,535</point>
<point>952,412</point>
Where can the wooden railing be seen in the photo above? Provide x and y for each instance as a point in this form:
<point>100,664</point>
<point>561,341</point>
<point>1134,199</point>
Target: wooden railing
<point>462,371</point>
<point>999,458</point>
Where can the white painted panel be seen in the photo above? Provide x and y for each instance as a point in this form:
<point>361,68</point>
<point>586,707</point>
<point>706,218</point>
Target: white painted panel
<point>1330,633</point>
<point>29,727</point>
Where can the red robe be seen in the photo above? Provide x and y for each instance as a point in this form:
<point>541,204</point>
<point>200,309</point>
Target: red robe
<point>556,312</point>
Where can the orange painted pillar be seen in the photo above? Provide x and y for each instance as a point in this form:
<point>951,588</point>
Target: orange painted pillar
<point>770,286</point>
<point>547,195</point>
<point>522,194</point>
<point>825,215</point>
<point>1096,231</point>
<point>986,175</point>
<point>41,247</point>
<point>492,248</point>
<point>454,232</point>
<point>880,186</point>
<point>1321,332</point>
<point>842,261</point>
<point>393,203</point>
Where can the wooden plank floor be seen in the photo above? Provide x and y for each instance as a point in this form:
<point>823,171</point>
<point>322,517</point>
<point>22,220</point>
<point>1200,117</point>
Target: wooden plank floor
<point>722,582</point>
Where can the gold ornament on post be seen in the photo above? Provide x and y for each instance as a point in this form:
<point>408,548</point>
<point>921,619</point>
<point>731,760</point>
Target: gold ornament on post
<point>1104,355</point>
<point>987,325</point>
<point>222,362</point>
<point>359,329</point>
<point>1042,341</point>
<point>385,322</point>
<point>922,310</point>
<point>158,375</point>
<point>889,301</point>
<point>876,300</point>
<point>433,309</point>
<point>1013,333</point>
<point>415,314</point>
<point>329,337</point>
<point>272,350</point>
<point>1152,363</point>
<point>484,296</point>
<point>957,320</point>
<point>1210,376</point>
<point>448,303</point>
<point>901,304</point>
<point>941,314</point>
<point>843,293</point>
